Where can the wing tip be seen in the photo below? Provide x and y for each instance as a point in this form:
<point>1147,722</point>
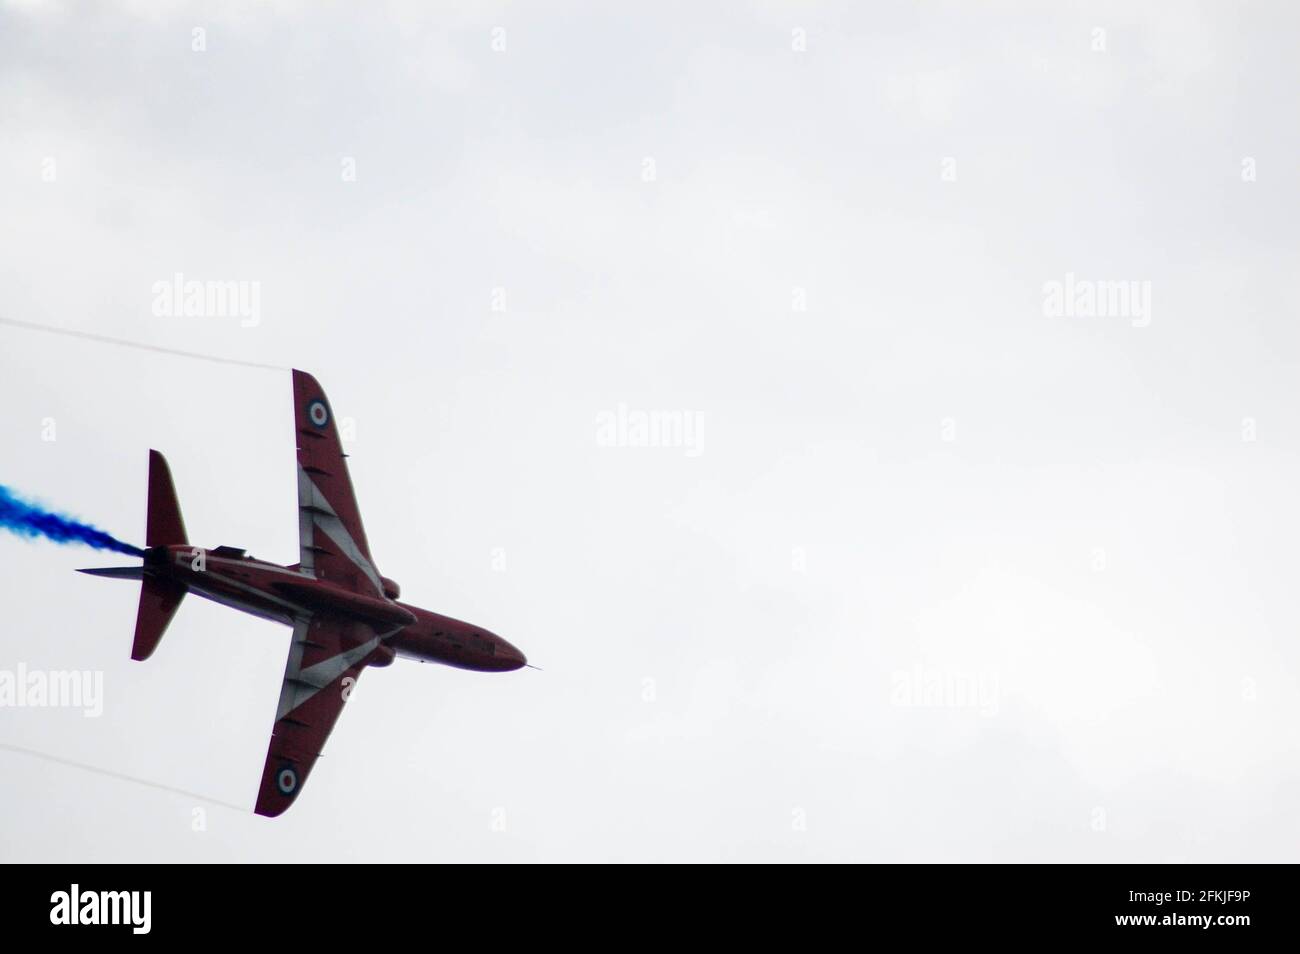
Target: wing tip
<point>304,379</point>
<point>281,782</point>
<point>269,810</point>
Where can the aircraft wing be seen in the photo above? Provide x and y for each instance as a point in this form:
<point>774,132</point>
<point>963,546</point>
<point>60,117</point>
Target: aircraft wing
<point>325,659</point>
<point>331,541</point>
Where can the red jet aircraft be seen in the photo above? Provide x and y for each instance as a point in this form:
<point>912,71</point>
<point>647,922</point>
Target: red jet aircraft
<point>345,616</point>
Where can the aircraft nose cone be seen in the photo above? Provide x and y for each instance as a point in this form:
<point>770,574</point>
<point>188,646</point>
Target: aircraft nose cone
<point>510,657</point>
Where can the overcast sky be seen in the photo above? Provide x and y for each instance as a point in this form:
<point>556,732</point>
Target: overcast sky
<point>932,571</point>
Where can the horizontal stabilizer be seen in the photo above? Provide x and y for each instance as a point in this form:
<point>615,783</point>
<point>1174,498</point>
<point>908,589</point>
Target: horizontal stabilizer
<point>159,599</point>
<point>163,523</point>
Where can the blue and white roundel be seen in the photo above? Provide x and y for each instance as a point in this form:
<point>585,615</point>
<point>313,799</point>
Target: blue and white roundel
<point>318,413</point>
<point>286,780</point>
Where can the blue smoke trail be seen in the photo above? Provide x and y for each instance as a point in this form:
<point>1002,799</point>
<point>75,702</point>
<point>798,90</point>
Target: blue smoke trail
<point>30,520</point>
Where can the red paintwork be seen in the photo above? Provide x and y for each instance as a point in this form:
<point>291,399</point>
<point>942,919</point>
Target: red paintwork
<point>159,600</point>
<point>266,588</point>
<point>345,616</point>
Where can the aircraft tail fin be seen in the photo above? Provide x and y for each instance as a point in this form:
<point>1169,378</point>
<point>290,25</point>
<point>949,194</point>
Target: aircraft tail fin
<point>159,596</point>
<point>116,572</point>
<point>164,525</point>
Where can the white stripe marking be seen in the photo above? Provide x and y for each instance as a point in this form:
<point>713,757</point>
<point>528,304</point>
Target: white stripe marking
<point>310,503</point>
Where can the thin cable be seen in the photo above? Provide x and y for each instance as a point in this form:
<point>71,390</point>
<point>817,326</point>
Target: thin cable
<point>123,343</point>
<point>118,775</point>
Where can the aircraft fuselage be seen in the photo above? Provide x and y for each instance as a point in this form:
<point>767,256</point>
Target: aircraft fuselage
<point>284,594</point>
